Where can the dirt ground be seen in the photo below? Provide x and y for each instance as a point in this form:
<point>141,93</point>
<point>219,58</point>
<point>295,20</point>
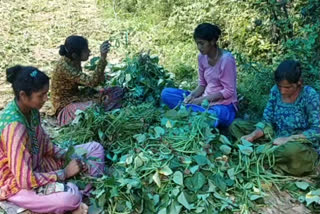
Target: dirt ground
<point>31,32</point>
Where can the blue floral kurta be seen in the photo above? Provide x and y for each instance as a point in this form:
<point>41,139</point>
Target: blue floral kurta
<point>300,117</point>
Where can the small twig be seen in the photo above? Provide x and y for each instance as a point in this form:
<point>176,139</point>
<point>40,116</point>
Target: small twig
<point>114,9</point>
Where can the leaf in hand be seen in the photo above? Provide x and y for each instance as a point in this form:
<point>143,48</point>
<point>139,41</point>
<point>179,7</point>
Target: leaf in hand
<point>68,156</point>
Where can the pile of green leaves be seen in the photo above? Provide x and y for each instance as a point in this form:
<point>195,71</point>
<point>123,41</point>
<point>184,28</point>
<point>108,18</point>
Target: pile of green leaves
<point>142,77</point>
<point>112,129</point>
<point>172,161</point>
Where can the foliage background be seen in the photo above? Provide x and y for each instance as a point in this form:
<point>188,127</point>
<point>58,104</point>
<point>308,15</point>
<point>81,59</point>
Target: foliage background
<point>260,33</point>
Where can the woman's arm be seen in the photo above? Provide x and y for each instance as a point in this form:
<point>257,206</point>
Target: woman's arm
<point>49,149</point>
<point>256,134</point>
<point>20,159</point>
<point>198,91</point>
<point>201,84</point>
<point>313,114</point>
<point>228,79</point>
<point>264,127</point>
<point>282,140</point>
<point>213,97</point>
<point>81,78</point>
<point>194,94</point>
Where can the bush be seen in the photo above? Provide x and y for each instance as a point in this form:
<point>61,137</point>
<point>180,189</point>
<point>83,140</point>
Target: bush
<point>260,34</point>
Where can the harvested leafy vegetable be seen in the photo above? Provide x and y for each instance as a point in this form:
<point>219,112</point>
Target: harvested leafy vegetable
<point>173,161</point>
<point>143,78</point>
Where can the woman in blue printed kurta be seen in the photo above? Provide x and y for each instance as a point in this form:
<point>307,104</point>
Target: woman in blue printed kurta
<point>298,118</point>
<point>292,115</point>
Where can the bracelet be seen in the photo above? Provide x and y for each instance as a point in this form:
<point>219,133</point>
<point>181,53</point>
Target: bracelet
<point>61,174</point>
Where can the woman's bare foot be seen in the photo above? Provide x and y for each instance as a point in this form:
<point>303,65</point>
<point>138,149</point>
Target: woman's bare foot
<point>82,209</point>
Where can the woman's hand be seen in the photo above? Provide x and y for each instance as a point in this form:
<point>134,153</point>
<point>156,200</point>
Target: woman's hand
<point>104,49</point>
<point>253,136</point>
<point>188,99</point>
<point>281,140</point>
<point>197,101</point>
<point>249,137</point>
<point>73,168</point>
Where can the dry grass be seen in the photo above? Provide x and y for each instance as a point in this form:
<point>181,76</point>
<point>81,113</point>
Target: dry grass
<point>32,30</point>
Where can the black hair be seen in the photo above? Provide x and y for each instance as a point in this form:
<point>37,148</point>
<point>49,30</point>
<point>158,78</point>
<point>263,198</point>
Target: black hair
<point>26,78</point>
<point>73,44</point>
<point>207,31</point>
<point>289,70</point>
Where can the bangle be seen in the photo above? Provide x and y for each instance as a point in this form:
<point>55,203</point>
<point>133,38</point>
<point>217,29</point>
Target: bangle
<point>61,174</point>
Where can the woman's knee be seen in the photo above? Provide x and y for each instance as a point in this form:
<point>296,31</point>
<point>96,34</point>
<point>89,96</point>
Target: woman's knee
<point>165,93</point>
<point>91,148</point>
<point>96,146</point>
<point>69,200</point>
<point>224,114</point>
<point>73,194</point>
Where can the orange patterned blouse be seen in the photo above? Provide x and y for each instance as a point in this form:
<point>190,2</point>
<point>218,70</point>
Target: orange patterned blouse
<point>65,80</point>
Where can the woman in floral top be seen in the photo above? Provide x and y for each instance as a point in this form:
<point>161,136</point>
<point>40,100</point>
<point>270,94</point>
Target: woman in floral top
<point>293,112</point>
<point>68,76</point>
<point>31,167</point>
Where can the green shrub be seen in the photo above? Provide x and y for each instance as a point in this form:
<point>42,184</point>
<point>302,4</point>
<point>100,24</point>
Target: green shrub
<point>260,34</point>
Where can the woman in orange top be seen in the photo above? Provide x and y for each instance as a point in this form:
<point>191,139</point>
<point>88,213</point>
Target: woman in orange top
<point>68,76</point>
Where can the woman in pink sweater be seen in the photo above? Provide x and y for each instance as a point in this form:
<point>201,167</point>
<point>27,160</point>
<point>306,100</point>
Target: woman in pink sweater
<point>217,79</point>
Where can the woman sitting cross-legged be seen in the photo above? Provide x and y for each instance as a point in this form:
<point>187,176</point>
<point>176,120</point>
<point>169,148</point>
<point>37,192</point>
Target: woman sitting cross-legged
<point>293,113</point>
<point>65,96</point>
<point>217,79</point>
<point>32,173</point>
